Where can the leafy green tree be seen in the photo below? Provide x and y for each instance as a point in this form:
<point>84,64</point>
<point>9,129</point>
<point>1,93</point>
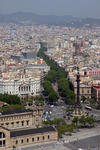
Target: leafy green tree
<point>39,100</point>
<point>11,107</point>
<point>90,120</point>
<point>52,94</point>
<point>82,120</point>
<point>58,122</point>
<point>56,73</point>
<point>61,129</point>
<point>63,88</point>
<point>51,76</point>
<point>75,120</point>
<point>69,128</point>
<point>10,99</point>
<point>83,99</point>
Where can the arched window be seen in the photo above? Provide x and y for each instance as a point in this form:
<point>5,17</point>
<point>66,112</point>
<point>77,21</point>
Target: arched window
<point>27,140</point>
<point>2,139</point>
<point>32,139</point>
<point>43,138</point>
<point>22,141</point>
<point>48,136</point>
<point>16,142</point>
<point>37,122</point>
<point>38,138</point>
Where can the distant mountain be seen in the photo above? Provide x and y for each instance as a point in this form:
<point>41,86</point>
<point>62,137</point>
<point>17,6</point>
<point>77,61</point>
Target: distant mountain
<point>21,17</point>
<point>39,19</point>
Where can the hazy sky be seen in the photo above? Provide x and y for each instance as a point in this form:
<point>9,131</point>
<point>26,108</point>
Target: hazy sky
<point>80,8</point>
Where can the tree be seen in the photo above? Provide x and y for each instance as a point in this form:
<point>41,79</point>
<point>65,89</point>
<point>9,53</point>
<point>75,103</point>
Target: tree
<point>75,120</point>
<point>10,99</point>
<point>12,107</point>
<point>57,74</point>
<point>52,94</point>
<point>39,100</point>
<point>51,76</point>
<point>63,88</point>
<point>90,120</point>
<point>82,120</point>
<point>83,99</point>
<point>53,97</point>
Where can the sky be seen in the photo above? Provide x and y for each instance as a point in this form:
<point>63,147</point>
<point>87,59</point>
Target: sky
<point>77,8</point>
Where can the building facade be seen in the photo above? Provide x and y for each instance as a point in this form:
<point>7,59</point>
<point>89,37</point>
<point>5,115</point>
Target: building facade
<point>21,118</point>
<point>22,87</point>
<point>96,91</point>
<point>85,90</point>
<point>20,128</point>
<point>19,138</point>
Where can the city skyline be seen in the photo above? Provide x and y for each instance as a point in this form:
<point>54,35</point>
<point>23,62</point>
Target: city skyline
<point>84,9</point>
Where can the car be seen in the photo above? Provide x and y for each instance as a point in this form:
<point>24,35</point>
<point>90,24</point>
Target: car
<point>64,116</point>
<point>50,112</point>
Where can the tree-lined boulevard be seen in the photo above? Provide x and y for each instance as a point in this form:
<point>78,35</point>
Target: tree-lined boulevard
<point>59,76</point>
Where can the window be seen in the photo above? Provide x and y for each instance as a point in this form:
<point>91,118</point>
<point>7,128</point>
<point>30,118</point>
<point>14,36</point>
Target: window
<point>29,88</point>
<point>22,141</point>
<point>27,122</point>
<point>32,139</point>
<point>16,142</point>
<point>88,91</point>
<point>17,124</point>
<point>27,140</point>
<point>0,143</point>
<point>37,122</point>
<point>24,88</point>
<point>3,142</point>
<point>21,88</point>
<point>82,90</point>
<point>22,123</point>
<point>37,138</point>
<point>2,135</point>
<point>48,136</point>
<point>2,139</point>
<point>7,125</point>
<point>12,124</point>
<point>43,137</point>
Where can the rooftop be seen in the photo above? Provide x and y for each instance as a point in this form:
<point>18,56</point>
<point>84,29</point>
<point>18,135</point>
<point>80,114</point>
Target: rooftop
<point>31,131</point>
<point>16,111</point>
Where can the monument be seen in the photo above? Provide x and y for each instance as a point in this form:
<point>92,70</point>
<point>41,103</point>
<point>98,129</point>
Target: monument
<point>78,108</point>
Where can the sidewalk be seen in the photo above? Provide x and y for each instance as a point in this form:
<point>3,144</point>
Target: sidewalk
<point>82,134</point>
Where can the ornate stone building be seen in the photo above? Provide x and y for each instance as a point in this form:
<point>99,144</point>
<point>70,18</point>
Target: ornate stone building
<point>24,127</point>
<point>85,90</point>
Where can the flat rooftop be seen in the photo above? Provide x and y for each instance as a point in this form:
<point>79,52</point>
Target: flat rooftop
<point>29,131</point>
